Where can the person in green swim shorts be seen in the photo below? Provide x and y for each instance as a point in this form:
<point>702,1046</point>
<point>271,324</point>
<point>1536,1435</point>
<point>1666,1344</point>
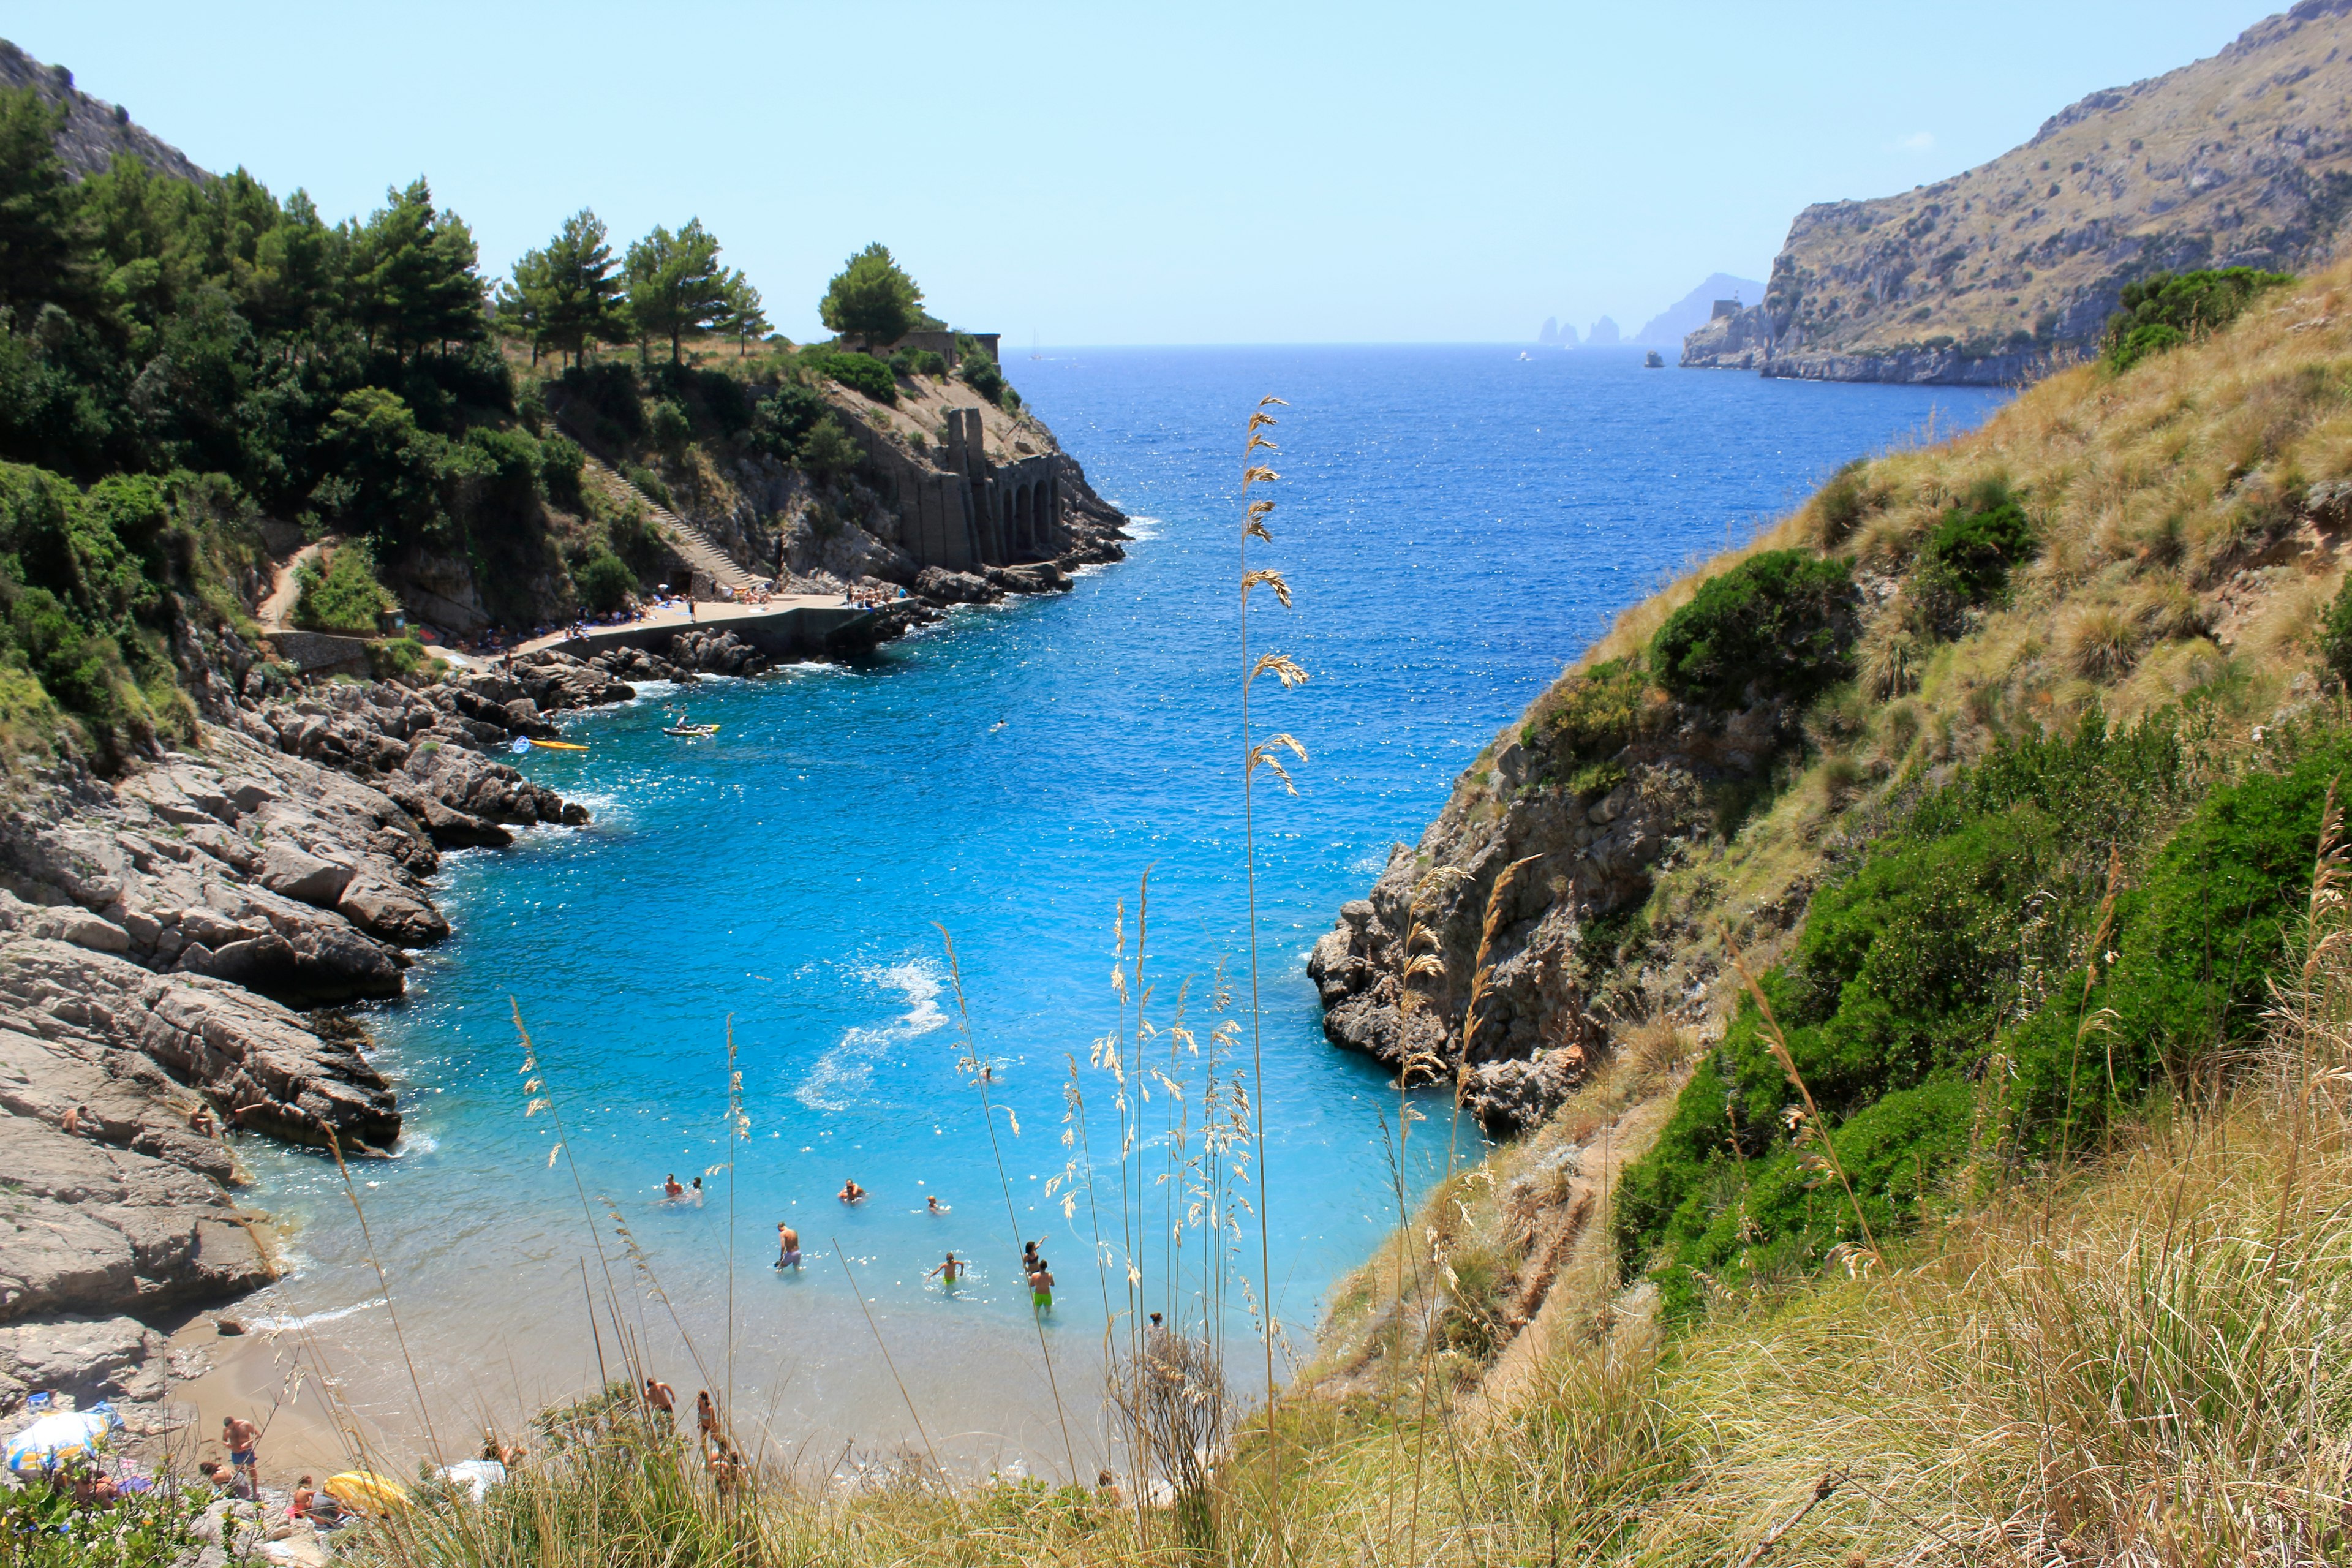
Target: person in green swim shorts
<point>1040,1288</point>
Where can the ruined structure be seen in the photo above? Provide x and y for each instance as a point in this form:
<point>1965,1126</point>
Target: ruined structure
<point>960,509</point>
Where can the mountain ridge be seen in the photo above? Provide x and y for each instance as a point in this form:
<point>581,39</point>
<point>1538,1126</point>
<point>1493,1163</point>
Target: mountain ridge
<point>2003,271</point>
<point>95,131</point>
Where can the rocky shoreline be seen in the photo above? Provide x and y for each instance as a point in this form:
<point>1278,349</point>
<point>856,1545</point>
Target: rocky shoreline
<point>172,938</point>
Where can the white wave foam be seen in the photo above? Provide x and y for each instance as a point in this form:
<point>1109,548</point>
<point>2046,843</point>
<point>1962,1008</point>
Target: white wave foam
<point>844,1073</point>
<point>1140,526</point>
<point>282,1325</point>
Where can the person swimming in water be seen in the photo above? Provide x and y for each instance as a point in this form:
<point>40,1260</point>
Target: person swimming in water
<point>671,1191</point>
<point>697,1194</point>
<point>948,1273</point>
<point>851,1193</point>
<point>788,1247</point>
<point>933,1204</point>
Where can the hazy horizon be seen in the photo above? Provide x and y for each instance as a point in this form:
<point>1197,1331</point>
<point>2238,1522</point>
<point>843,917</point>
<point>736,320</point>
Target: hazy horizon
<point>1324,175</point>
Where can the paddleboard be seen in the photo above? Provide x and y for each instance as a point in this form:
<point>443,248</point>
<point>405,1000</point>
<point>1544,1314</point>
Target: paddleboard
<point>559,745</point>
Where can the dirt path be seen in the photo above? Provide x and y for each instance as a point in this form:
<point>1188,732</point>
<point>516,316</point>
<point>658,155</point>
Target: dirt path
<point>1602,1158</point>
<point>279,608</point>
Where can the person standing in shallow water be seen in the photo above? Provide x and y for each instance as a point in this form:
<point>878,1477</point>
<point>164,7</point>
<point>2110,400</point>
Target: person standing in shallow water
<point>948,1273</point>
<point>1040,1288</point>
<point>788,1247</point>
<point>705,1418</point>
<point>662,1397</point>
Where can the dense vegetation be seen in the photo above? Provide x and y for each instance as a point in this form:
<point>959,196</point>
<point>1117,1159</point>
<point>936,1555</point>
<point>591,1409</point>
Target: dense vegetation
<point>1779,624</point>
<point>2166,310</point>
<point>240,357</point>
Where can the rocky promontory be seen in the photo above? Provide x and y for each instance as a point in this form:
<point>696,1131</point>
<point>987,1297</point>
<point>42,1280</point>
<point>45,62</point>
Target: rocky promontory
<point>1996,274</point>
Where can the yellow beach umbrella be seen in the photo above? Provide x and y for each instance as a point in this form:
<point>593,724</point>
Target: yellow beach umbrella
<point>367,1492</point>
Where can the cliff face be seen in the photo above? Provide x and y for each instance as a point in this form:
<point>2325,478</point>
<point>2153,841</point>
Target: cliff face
<point>95,131</point>
<point>1994,275</point>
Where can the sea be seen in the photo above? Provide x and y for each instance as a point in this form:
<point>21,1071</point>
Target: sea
<point>967,920</point>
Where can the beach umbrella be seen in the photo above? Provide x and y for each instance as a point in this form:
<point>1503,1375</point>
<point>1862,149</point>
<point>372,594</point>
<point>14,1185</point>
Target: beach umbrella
<point>54,1438</point>
<point>367,1492</point>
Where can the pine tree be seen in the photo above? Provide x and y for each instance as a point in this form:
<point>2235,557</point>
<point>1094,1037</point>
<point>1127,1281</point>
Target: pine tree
<point>414,281</point>
<point>746,316</point>
<point>873,297</point>
<point>676,284</point>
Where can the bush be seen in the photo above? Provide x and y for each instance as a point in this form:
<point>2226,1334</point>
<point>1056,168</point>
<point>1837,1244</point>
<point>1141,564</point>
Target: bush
<point>911,363</point>
<point>561,462</point>
<point>829,452</point>
<point>1962,939</point>
<point>783,420</point>
<point>346,596</point>
<point>2336,633</point>
<point>979,371</point>
<point>647,482</point>
<point>860,372</point>
<point>1971,551</point>
<point>1781,624</point>
<point>604,581</point>
<point>1596,714</point>
<point>393,658</point>
<point>2165,310</point>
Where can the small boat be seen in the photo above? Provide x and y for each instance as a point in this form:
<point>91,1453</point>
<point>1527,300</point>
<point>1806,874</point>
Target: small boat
<point>690,729</point>
<point>559,745</point>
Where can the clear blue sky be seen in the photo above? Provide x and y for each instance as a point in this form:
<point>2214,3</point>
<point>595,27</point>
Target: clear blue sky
<point>1106,173</point>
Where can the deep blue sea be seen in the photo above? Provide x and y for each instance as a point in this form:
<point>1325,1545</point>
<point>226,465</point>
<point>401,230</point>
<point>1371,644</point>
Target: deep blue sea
<point>1456,523</point>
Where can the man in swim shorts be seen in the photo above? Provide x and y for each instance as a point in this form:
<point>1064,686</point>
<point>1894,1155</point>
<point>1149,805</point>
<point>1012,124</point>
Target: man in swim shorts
<point>851,1193</point>
<point>662,1397</point>
<point>1040,1288</point>
<point>242,1438</point>
<point>788,1247</point>
<point>949,1271</point>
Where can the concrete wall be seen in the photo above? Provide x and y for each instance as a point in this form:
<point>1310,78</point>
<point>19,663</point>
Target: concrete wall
<point>959,510</point>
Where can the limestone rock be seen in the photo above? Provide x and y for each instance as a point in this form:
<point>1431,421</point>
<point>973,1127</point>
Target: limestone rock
<point>89,1358</point>
<point>947,587</point>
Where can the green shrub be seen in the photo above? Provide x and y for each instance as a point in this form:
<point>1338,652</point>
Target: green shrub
<point>2336,633</point>
<point>669,426</point>
<point>827,451</point>
<point>603,582</point>
<point>858,372</point>
<point>979,370</point>
<point>346,596</point>
<point>1781,624</point>
<point>1976,546</point>
<point>781,421</point>
<point>1596,714</point>
<point>2165,310</point>
<point>561,462</point>
<point>393,659</point>
<point>1936,1004</point>
<point>912,362</point>
<point>649,483</point>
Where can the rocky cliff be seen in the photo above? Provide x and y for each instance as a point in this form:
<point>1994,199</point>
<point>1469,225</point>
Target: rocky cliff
<point>2177,534</point>
<point>95,131</point>
<point>1993,276</point>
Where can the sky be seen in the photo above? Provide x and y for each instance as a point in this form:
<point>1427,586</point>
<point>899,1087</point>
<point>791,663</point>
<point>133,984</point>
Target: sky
<point>1115,173</point>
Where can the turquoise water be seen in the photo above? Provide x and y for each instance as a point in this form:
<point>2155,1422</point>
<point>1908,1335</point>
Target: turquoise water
<point>1456,523</point>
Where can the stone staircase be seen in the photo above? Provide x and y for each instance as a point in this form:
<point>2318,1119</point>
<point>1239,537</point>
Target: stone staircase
<point>693,546</point>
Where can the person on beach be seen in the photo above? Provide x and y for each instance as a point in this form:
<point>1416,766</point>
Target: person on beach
<point>851,1193</point>
<point>671,1191</point>
<point>200,1120</point>
<point>788,1247</point>
<point>951,1271</point>
<point>662,1397</point>
<point>933,1204</point>
<point>304,1496</point>
<point>706,1417</point>
<point>242,1438</point>
<point>1040,1288</point>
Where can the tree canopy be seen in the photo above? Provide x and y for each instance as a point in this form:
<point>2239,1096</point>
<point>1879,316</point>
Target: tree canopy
<point>568,295</point>
<point>873,297</point>
<point>676,285</point>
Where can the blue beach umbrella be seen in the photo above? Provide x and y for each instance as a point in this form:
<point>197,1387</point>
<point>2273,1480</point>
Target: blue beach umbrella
<point>54,1438</point>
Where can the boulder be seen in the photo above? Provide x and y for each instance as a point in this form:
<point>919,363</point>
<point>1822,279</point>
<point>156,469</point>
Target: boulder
<point>298,874</point>
<point>947,587</point>
<point>89,1358</point>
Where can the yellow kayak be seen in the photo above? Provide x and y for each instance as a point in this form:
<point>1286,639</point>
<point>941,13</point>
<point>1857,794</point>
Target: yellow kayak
<point>559,745</point>
<point>367,1492</point>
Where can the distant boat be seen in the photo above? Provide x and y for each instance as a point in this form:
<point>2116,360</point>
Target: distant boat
<point>1652,362</point>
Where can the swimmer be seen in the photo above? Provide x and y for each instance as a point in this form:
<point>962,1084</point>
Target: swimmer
<point>671,1191</point>
<point>661,1396</point>
<point>933,1204</point>
<point>1040,1288</point>
<point>698,1191</point>
<point>788,1247</point>
<point>706,1417</point>
<point>851,1193</point>
<point>948,1273</point>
